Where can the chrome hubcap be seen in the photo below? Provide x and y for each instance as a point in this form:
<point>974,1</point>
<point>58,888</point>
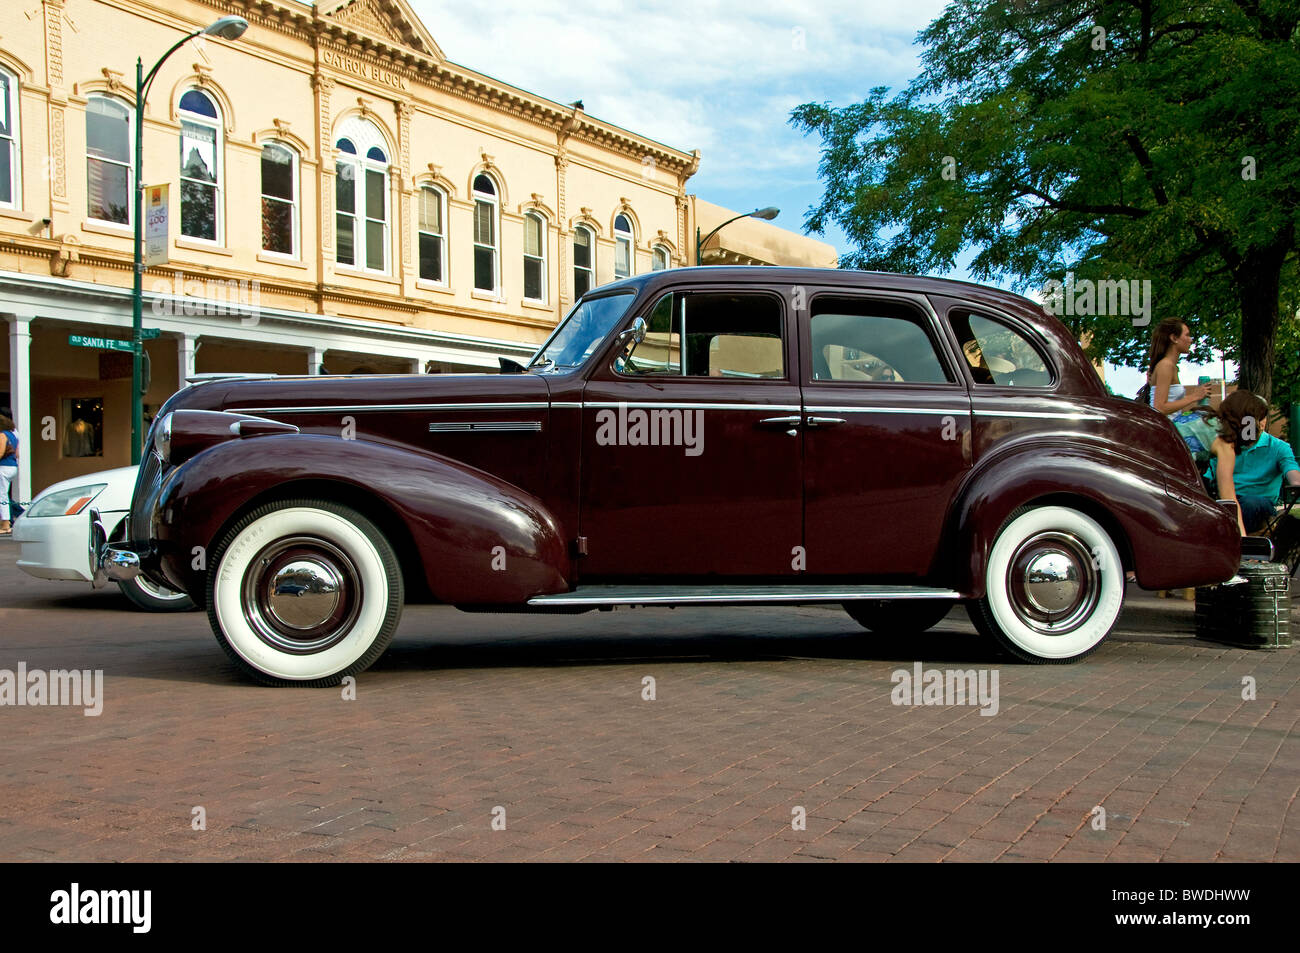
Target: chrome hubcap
<point>1053,583</point>
<point>302,594</point>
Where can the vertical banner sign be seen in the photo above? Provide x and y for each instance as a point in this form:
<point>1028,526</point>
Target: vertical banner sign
<point>155,225</point>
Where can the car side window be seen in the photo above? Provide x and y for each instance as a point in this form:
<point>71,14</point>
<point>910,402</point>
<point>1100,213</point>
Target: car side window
<point>997,353</point>
<point>860,340</point>
<point>711,334</point>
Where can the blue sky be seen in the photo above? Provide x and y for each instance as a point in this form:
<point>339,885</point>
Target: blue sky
<point>721,77</point>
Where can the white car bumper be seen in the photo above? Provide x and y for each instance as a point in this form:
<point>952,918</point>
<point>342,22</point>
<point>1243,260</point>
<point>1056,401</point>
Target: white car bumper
<point>56,547</point>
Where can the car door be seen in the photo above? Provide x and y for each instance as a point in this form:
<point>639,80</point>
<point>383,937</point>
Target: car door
<point>888,434</point>
<point>691,456</point>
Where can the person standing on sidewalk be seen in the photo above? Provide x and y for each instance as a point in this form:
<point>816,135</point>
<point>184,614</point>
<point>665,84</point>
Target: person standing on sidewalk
<point>1171,340</point>
<point>8,469</point>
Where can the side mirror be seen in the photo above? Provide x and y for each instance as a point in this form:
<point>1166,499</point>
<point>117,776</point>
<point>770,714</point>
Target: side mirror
<point>634,334</point>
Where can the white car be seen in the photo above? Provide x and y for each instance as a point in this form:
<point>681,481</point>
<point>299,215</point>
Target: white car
<point>54,534</point>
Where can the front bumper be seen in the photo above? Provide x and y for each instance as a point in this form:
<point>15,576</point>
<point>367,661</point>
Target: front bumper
<point>110,562</point>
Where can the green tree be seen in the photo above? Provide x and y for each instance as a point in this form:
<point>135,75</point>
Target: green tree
<point>1117,140</point>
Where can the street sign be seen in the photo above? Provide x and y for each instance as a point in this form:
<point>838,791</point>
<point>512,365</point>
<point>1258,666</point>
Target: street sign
<point>111,344</point>
<point>155,225</point>
<point>103,344</point>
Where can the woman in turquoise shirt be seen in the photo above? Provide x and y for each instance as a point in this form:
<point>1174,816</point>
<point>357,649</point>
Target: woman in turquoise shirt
<point>1250,471</point>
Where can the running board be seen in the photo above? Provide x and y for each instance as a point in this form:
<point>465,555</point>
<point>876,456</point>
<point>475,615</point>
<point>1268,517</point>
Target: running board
<point>731,595</point>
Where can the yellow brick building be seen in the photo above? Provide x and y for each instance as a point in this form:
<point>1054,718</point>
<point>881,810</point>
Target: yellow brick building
<point>341,198</point>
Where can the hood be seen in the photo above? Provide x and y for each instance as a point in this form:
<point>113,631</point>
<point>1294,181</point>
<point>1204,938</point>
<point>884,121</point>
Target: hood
<point>266,396</point>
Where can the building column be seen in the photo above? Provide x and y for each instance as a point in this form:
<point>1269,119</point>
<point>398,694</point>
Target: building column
<point>20,400</point>
<point>185,358</point>
<point>315,358</point>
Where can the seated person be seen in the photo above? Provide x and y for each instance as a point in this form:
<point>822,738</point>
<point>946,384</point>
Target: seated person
<point>1249,471</point>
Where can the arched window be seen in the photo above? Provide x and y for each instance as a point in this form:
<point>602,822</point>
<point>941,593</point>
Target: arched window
<point>108,160</point>
<point>659,258</point>
<point>485,233</point>
<point>431,234</point>
<point>622,247</point>
<point>361,196</point>
<point>200,167</point>
<point>279,199</point>
<point>584,260</point>
<point>534,257</point>
<point>10,161</point>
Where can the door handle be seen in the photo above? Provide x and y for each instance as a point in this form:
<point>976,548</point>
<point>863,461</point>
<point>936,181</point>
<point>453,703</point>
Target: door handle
<point>825,421</point>
<point>781,421</point>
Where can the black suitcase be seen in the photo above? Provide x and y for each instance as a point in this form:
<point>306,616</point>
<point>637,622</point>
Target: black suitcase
<point>1255,614</point>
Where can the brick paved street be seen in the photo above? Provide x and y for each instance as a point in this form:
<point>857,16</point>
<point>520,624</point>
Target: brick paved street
<point>758,712</point>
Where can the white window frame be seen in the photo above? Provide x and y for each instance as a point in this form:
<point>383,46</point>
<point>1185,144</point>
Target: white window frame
<point>129,164</point>
<point>591,267</point>
<point>14,139</point>
<point>441,236</point>
<point>364,136</point>
<point>218,153</point>
<point>624,236</point>
<point>655,252</point>
<point>494,201</point>
<point>540,258</point>
<point>293,204</point>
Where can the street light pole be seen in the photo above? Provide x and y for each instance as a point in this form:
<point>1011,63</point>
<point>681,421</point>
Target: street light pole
<point>768,213</point>
<point>228,28</point>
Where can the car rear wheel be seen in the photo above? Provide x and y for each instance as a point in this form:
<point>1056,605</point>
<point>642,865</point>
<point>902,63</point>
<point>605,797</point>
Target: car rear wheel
<point>304,592</point>
<point>151,597</point>
<point>902,616</point>
<point>1054,586</point>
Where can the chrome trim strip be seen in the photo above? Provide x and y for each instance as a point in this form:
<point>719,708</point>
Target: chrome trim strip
<point>704,595</point>
<point>1039,414</point>
<point>820,409</point>
<point>676,405</point>
<point>566,405</point>
<point>469,426</point>
<point>353,408</point>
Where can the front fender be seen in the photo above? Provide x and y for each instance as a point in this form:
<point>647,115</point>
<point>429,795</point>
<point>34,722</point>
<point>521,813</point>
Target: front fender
<point>1175,536</point>
<point>456,516</point>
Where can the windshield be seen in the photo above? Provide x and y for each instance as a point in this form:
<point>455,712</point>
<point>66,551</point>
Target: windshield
<point>587,325</point>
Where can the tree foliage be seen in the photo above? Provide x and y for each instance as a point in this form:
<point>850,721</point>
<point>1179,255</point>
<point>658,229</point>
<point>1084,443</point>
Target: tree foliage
<point>1114,140</point>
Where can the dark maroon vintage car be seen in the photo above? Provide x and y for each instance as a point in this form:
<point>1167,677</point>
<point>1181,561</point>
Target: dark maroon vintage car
<point>693,436</point>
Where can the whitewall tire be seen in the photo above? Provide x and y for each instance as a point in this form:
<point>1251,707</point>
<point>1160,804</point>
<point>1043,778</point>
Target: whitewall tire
<point>145,594</point>
<point>304,592</point>
<point>1054,585</point>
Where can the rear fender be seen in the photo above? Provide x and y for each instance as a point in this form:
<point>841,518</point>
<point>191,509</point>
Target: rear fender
<point>477,538</point>
<point>1170,536</point>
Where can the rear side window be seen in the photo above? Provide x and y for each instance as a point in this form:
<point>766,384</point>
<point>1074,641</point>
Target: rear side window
<point>711,334</point>
<point>876,341</point>
<point>997,353</point>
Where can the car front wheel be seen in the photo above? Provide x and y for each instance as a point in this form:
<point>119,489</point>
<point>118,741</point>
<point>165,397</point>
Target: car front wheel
<point>1054,586</point>
<point>304,592</point>
<point>147,595</point>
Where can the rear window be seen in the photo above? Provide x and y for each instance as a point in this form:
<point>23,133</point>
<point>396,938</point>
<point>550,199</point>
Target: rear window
<point>997,353</point>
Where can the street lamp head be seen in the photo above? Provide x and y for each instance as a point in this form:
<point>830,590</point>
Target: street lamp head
<point>768,213</point>
<point>228,28</point>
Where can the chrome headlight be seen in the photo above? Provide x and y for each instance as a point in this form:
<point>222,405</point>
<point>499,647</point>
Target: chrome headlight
<point>66,502</point>
<point>162,438</point>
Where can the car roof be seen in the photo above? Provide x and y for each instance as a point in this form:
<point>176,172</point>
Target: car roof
<point>846,277</point>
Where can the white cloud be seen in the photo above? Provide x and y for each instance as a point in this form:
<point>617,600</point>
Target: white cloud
<point>717,76</point>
